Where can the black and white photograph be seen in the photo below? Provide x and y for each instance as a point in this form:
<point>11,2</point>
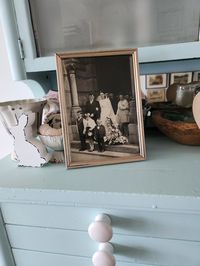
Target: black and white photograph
<point>101,107</point>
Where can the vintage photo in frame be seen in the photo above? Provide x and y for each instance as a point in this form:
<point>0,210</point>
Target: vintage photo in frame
<point>181,78</point>
<point>156,81</point>
<point>101,108</point>
<point>156,95</point>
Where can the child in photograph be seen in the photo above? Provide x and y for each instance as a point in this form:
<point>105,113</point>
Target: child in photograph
<point>80,125</point>
<point>100,133</point>
<point>88,130</point>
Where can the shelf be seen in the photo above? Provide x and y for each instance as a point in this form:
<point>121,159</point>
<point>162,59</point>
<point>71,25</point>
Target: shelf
<point>172,64</point>
<point>170,169</point>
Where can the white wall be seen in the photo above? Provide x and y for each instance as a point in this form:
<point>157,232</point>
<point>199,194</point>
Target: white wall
<point>9,90</point>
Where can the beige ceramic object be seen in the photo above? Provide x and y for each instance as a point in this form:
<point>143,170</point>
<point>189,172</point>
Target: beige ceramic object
<point>12,110</point>
<point>53,142</point>
<point>196,109</point>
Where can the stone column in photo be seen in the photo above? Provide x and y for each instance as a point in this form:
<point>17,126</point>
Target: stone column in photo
<point>71,67</point>
<point>70,71</point>
<point>74,91</point>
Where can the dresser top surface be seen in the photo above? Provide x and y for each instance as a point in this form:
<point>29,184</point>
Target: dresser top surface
<point>170,169</point>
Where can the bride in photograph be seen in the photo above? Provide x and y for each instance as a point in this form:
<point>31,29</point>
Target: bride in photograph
<point>107,111</point>
<point>109,120</point>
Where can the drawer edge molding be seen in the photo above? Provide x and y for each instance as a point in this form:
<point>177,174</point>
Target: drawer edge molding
<point>100,199</point>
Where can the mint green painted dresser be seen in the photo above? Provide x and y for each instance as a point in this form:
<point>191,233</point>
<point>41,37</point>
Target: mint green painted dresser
<point>153,205</point>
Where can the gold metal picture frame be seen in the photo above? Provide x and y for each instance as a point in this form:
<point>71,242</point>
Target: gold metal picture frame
<point>101,110</point>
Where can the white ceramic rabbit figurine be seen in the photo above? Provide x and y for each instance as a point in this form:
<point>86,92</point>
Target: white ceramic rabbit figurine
<point>29,150</point>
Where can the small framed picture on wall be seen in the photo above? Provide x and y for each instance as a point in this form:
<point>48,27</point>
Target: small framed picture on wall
<point>156,81</point>
<point>196,76</point>
<point>156,95</point>
<point>181,78</point>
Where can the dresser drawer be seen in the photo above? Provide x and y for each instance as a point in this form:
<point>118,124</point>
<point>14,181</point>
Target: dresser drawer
<point>130,249</point>
<point>33,258</point>
<point>151,223</point>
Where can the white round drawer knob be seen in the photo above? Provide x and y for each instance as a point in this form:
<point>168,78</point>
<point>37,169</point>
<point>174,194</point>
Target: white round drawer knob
<point>104,257</point>
<point>101,230</point>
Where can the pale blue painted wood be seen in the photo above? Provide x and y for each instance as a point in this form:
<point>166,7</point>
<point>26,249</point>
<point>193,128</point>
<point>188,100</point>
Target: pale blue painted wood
<point>31,61</point>
<point>67,242</point>
<point>11,36</point>
<point>31,258</point>
<point>170,66</point>
<point>171,170</point>
<point>25,27</point>
<point>48,63</point>
<point>46,80</point>
<point>135,249</point>
<point>189,204</point>
<point>169,52</point>
<point>129,222</point>
<point>6,256</point>
<point>36,87</point>
<point>156,251</point>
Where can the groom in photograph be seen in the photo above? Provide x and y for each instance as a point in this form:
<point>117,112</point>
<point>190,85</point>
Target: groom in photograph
<point>92,107</point>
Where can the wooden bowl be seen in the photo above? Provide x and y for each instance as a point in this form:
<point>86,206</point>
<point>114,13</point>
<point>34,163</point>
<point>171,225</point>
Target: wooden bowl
<point>182,132</point>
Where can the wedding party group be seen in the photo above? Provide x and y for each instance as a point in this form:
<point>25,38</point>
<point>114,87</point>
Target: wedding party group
<point>104,120</point>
